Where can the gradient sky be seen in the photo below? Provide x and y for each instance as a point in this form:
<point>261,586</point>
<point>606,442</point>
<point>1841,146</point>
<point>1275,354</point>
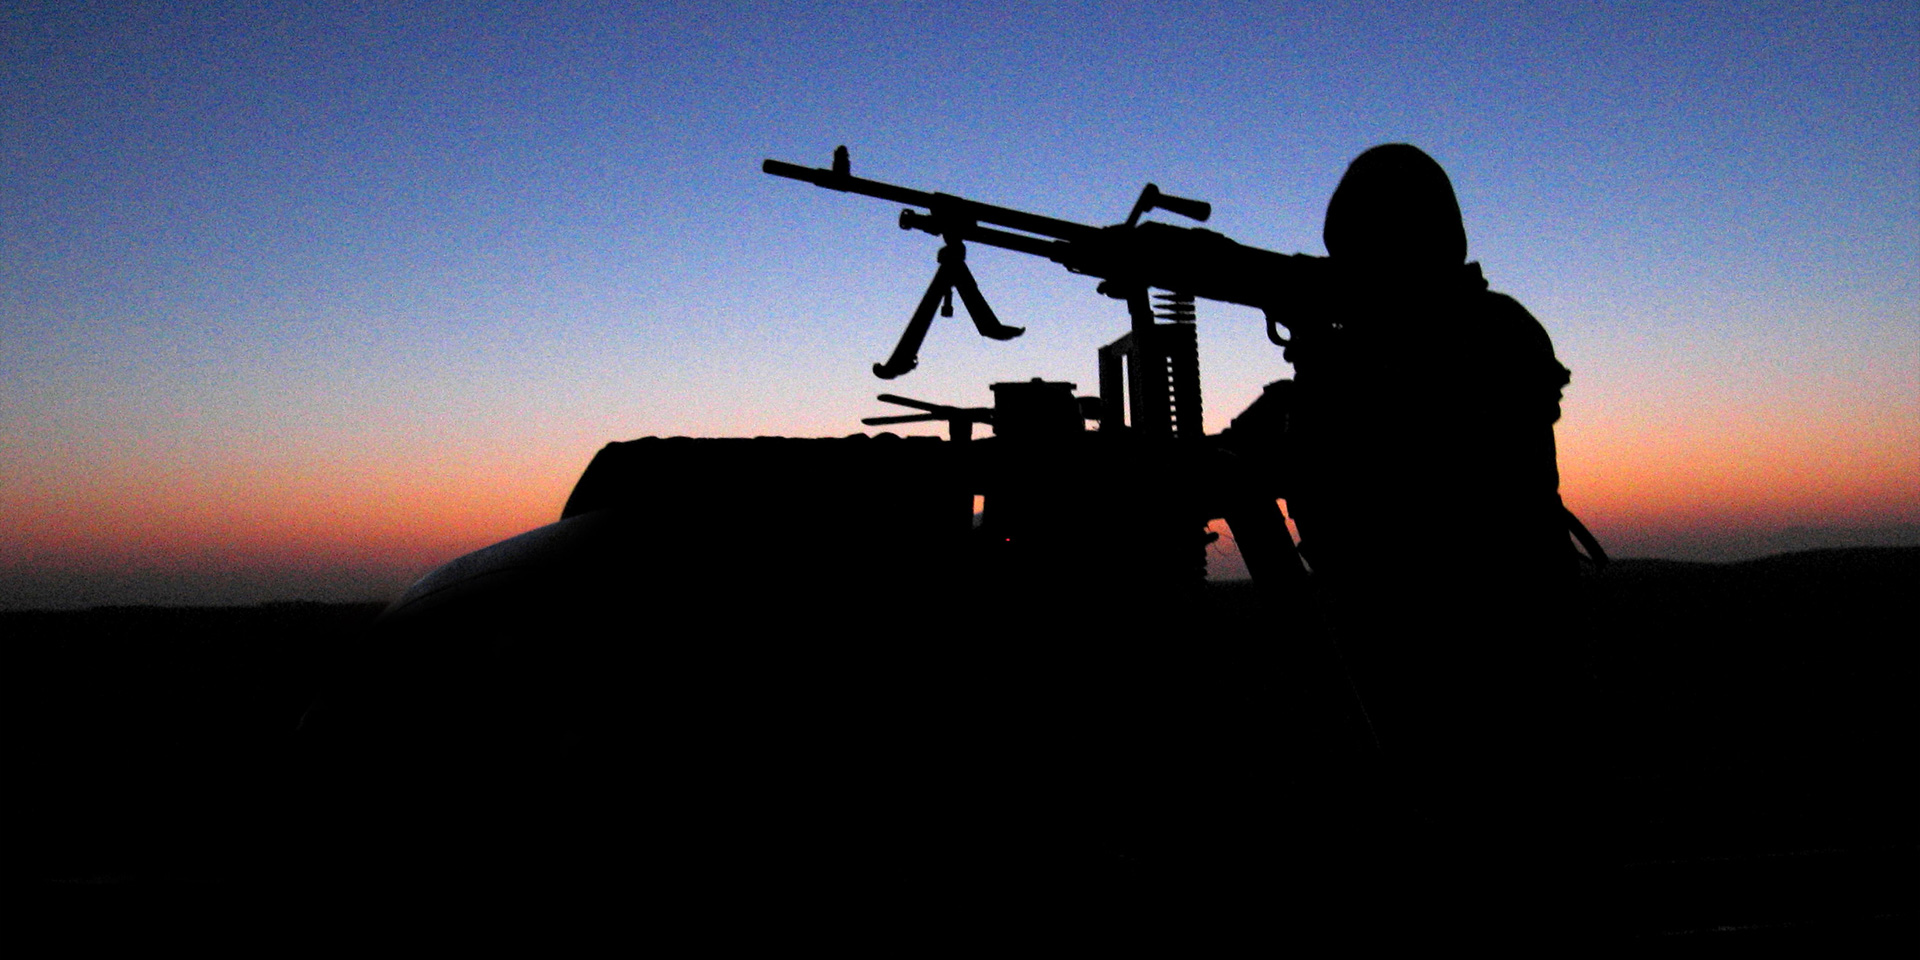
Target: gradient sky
<point>299,300</point>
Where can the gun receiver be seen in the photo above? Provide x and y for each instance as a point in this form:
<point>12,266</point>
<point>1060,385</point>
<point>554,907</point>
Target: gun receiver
<point>1132,256</point>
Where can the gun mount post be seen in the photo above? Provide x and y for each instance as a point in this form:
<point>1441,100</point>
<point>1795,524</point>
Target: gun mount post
<point>1161,366</point>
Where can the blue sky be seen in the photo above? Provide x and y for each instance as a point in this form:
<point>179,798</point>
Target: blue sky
<point>383,278</point>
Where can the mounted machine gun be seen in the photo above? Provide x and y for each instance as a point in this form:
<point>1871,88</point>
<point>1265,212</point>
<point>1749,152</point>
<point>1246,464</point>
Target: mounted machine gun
<point>1149,378</point>
<point>1131,257</point>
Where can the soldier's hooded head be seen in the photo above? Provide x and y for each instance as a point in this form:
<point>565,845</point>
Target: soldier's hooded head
<point>1395,209</point>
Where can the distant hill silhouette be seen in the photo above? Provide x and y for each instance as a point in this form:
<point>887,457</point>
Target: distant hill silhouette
<point>1739,546</point>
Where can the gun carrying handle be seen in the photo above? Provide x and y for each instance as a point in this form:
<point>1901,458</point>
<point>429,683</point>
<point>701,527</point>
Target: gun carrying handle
<point>1152,199</point>
<point>1191,209</point>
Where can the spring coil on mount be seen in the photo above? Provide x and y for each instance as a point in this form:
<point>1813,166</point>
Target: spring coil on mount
<point>1179,344</point>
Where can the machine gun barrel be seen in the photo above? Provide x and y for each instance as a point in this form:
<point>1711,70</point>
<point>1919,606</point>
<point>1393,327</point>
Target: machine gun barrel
<point>945,206</point>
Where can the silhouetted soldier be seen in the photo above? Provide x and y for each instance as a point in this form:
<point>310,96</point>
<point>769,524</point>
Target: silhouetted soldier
<point>1427,500</point>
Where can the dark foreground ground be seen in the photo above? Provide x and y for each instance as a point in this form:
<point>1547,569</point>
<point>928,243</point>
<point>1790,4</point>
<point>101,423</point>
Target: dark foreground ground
<point>1760,721</point>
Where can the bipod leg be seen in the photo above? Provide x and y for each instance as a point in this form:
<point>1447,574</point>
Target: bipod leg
<point>983,318</point>
<point>906,353</point>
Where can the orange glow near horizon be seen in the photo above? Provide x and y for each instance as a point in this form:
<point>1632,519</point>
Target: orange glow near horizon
<point>1737,481</point>
<point>404,519</point>
<point>400,519</point>
<point>380,510</point>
